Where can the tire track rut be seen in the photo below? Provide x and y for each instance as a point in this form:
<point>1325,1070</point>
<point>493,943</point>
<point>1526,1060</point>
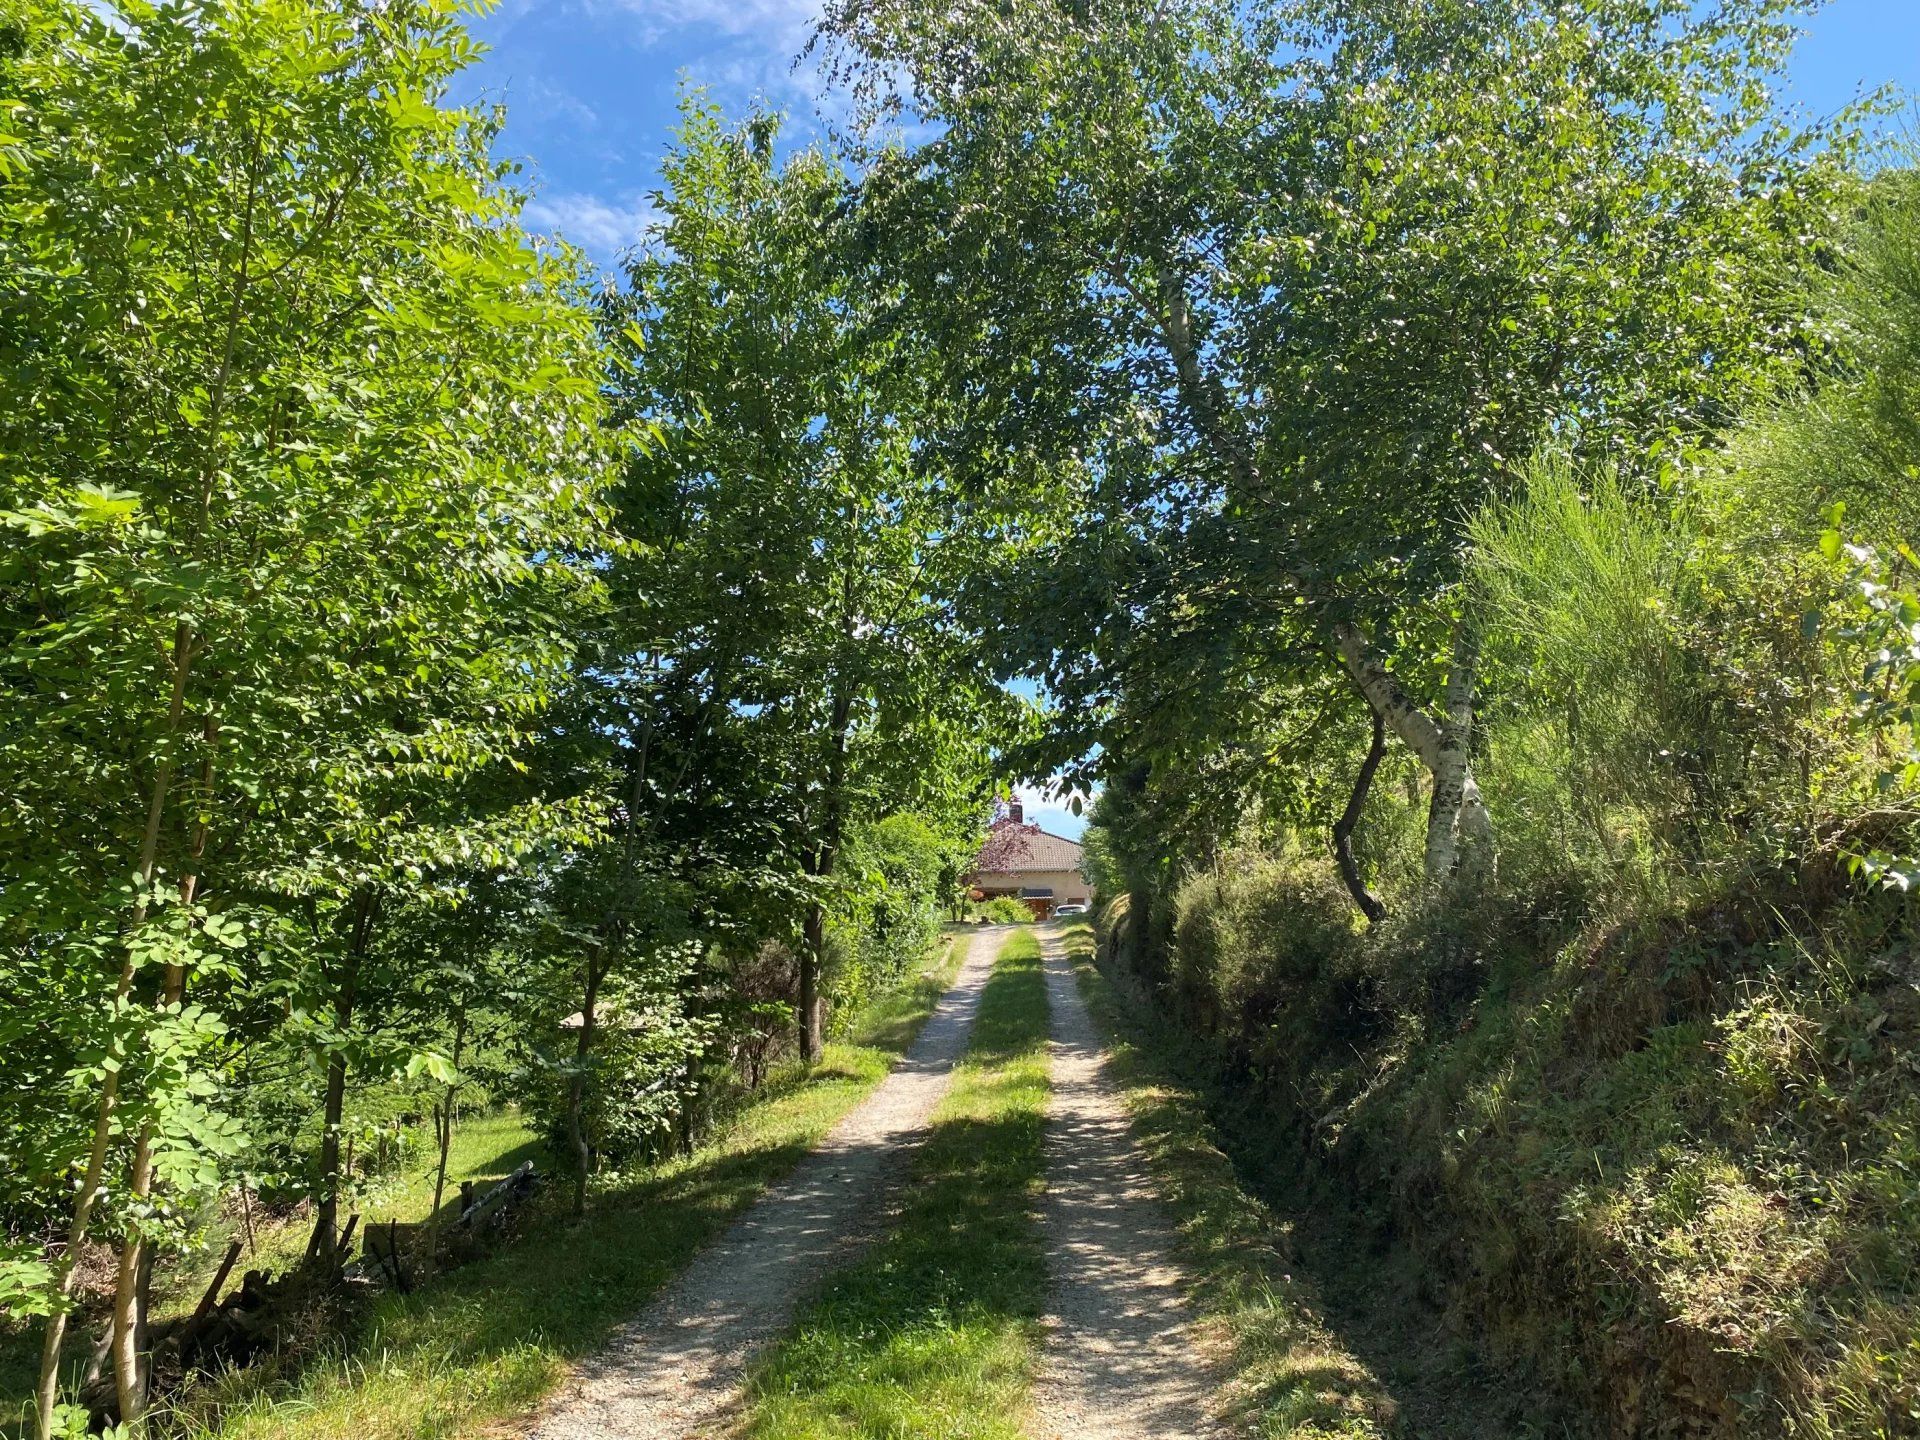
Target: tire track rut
<point>674,1373</point>
<point>1120,1359</point>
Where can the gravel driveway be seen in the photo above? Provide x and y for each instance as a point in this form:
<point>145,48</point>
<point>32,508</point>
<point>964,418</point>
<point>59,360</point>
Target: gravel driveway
<point>1119,1360</point>
<point>674,1373</point>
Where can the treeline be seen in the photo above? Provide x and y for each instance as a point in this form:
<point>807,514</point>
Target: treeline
<point>1452,468</point>
<point>428,673</point>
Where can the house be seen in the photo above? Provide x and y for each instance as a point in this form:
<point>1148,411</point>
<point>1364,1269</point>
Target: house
<point>1029,864</point>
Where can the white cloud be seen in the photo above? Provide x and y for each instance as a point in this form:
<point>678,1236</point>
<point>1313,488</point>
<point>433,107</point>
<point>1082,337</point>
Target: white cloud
<point>743,49</point>
<point>785,19</point>
<point>600,226</point>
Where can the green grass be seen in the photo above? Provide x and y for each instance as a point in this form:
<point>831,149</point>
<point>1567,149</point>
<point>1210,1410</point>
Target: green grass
<point>933,1332</point>
<point>486,1343</point>
<point>1291,1375</point>
<point>487,1146</point>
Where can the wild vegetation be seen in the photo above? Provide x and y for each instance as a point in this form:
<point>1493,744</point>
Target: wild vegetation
<point>1453,471</point>
<point>406,699</point>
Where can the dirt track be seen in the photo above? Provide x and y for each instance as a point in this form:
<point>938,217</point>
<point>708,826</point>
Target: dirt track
<point>1119,1360</point>
<point>674,1373</point>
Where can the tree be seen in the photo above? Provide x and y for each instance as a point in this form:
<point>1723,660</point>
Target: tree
<point>302,439</point>
<point>1286,290</point>
<point>799,551</point>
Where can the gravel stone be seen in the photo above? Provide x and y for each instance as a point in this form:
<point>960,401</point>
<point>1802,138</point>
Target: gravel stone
<point>1120,1359</point>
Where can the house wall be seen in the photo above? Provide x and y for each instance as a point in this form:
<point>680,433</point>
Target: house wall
<point>1065,884</point>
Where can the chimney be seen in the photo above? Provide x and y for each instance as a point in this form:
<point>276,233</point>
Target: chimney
<point>1015,812</point>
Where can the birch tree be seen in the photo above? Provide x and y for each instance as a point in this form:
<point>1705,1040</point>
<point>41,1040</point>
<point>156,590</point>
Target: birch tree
<point>1289,288</point>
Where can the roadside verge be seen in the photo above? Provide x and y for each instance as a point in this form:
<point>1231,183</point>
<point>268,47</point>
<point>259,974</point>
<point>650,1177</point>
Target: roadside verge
<point>1290,1375</point>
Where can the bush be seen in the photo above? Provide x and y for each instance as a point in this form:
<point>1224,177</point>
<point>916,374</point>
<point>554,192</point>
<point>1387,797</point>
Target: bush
<point>1602,735</point>
<point>763,991</point>
<point>1260,941</point>
<point>892,919</point>
<point>1001,910</point>
<point>659,1047</point>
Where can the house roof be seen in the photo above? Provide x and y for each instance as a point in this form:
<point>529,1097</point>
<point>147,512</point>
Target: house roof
<point>1013,847</point>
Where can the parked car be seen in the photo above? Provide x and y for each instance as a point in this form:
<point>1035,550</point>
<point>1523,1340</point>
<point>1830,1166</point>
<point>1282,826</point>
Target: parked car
<point>1072,907</point>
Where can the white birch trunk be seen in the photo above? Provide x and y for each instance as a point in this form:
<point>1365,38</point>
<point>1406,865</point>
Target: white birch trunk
<point>1459,813</point>
<point>1459,832</point>
<point>1459,828</point>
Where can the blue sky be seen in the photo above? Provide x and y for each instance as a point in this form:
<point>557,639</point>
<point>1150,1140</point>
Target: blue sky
<point>591,89</point>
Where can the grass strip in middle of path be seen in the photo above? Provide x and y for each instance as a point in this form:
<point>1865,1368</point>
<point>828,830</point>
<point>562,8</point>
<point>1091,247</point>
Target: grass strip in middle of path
<point>933,1331</point>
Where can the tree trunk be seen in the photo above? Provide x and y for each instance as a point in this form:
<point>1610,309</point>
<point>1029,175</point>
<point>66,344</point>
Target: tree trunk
<point>346,994</point>
<point>443,1134</point>
<point>135,1281</point>
<point>48,1390</point>
<point>1458,833</point>
<point>825,857</point>
<point>599,962</point>
<point>577,1085</point>
<point>812,947</point>
<point>136,1268</point>
<point>1457,812</point>
<point>1209,406</point>
<point>185,641</point>
<point>1343,828</point>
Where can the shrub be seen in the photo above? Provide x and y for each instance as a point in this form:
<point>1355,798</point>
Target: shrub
<point>659,1046</point>
<point>892,918</point>
<point>1260,940</point>
<point>1603,745</point>
<point>762,990</point>
<point>1001,910</point>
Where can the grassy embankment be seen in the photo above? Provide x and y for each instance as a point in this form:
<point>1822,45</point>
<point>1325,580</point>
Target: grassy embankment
<point>933,1332</point>
<point>489,1341</point>
<point>1647,1173</point>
